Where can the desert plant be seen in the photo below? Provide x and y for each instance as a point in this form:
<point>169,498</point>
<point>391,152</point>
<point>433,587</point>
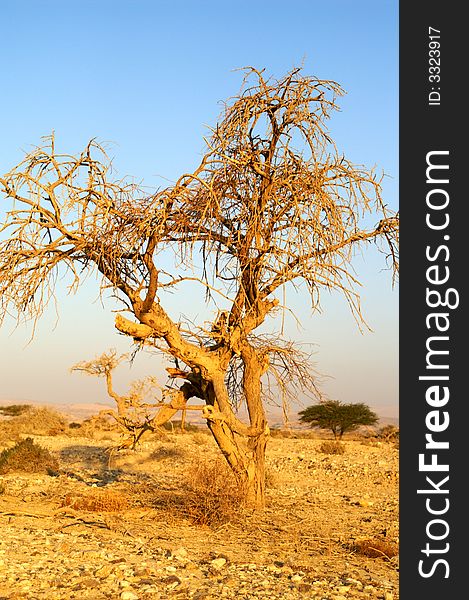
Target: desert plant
<point>273,204</point>
<point>179,426</point>
<point>13,410</point>
<point>201,438</point>
<point>329,447</point>
<point>35,420</point>
<point>338,417</point>
<point>167,452</point>
<point>389,433</point>
<point>97,501</point>
<point>135,412</point>
<point>213,497</point>
<point>27,457</point>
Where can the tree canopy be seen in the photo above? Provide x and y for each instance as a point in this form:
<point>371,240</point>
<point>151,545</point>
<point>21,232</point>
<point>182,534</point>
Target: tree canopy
<point>338,417</point>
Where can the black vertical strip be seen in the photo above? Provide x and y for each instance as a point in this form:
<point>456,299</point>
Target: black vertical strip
<point>434,356</point>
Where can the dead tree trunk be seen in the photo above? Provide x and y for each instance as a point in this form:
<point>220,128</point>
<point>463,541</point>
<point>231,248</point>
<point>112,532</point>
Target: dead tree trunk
<point>246,458</point>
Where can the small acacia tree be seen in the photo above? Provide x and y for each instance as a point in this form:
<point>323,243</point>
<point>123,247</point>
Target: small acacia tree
<point>338,417</point>
<point>272,204</point>
<point>134,412</point>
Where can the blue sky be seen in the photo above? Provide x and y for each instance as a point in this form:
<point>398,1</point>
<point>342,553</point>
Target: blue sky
<point>148,77</point>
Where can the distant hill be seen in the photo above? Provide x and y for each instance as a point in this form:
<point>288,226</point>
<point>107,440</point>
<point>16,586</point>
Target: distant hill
<point>74,411</point>
<point>83,410</point>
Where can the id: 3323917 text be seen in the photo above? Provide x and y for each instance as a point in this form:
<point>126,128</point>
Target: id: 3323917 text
<point>434,66</point>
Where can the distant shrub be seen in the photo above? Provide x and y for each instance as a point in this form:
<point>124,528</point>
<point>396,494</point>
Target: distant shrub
<point>97,501</point>
<point>14,410</point>
<point>175,426</point>
<point>74,425</point>
<point>332,447</point>
<point>98,424</point>
<point>35,420</point>
<point>276,432</point>
<point>27,457</point>
<point>389,433</point>
<point>290,434</point>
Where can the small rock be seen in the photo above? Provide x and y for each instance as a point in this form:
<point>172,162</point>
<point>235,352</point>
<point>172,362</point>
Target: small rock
<point>170,569</point>
<point>180,553</point>
<point>278,563</point>
<point>147,581</point>
<point>104,571</point>
<point>296,578</point>
<point>128,595</point>
<point>218,563</point>
<point>171,581</point>
<point>388,596</point>
<point>89,582</point>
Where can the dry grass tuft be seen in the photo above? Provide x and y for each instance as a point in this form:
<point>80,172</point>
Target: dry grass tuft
<point>214,496</point>
<point>376,548</point>
<point>167,452</point>
<point>27,457</point>
<point>97,501</point>
<point>210,496</point>
<point>202,438</point>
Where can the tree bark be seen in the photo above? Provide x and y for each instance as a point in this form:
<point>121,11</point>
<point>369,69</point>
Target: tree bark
<point>255,484</point>
<point>245,456</point>
<point>247,461</point>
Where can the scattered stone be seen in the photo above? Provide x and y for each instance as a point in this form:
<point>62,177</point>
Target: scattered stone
<point>104,571</point>
<point>180,553</point>
<point>218,563</point>
<point>172,581</point>
<point>129,595</point>
<point>92,556</point>
<point>89,583</point>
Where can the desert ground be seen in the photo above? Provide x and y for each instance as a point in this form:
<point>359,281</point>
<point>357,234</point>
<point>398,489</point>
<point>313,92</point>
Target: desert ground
<point>164,520</point>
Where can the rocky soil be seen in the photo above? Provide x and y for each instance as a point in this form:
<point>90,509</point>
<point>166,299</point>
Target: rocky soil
<point>119,526</point>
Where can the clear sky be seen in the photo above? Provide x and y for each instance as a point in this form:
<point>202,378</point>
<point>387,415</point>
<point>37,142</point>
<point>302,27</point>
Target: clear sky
<point>148,76</point>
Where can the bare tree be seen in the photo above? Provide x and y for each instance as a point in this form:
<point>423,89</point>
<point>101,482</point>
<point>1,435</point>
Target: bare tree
<point>135,411</point>
<point>273,204</point>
